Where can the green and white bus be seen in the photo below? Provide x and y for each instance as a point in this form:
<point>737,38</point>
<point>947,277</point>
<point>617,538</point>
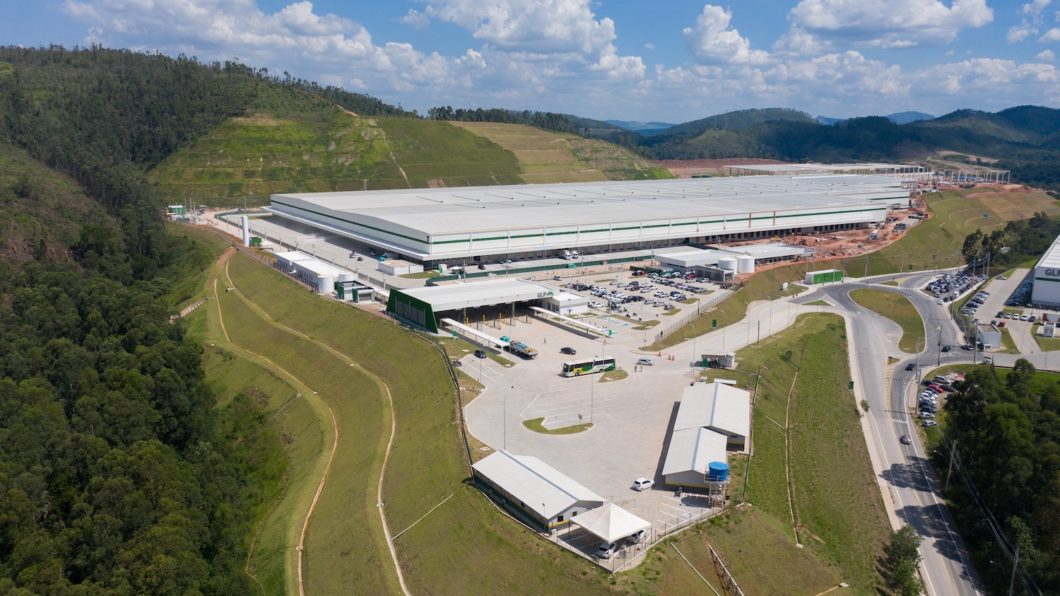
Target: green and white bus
<point>596,364</point>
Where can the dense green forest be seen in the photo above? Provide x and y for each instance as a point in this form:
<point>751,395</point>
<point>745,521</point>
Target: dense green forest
<point>117,472</point>
<point>1007,488</point>
<point>586,127</point>
<point>1018,241</point>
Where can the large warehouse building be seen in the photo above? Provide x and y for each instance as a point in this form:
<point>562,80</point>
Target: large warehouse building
<point>453,225</point>
<point>1046,288</point>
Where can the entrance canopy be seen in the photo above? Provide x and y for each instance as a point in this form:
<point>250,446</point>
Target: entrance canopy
<point>610,522</point>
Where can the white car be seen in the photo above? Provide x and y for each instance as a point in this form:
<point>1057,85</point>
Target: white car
<point>645,362</point>
<point>642,484</point>
<point>606,550</point>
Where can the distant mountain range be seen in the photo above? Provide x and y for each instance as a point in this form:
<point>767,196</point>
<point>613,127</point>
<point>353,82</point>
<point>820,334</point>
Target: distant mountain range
<point>640,126</point>
<point>1024,139</point>
<point>897,118</point>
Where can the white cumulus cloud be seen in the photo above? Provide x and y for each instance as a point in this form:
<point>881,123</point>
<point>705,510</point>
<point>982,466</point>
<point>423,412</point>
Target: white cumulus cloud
<point>891,24</point>
<point>1046,56</point>
<point>713,39</point>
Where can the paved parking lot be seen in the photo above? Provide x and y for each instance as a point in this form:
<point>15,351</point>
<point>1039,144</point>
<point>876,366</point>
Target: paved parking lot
<point>630,417</point>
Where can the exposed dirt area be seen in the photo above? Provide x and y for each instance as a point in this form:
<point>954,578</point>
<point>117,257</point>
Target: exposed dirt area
<point>686,168</point>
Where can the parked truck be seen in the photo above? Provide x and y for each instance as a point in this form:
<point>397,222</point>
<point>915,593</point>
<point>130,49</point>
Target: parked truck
<point>522,350</point>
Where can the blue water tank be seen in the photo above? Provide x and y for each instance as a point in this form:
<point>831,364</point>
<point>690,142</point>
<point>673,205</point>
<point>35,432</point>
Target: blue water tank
<point>718,471</point>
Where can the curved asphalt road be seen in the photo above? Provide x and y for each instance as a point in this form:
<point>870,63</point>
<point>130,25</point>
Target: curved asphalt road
<point>903,469</point>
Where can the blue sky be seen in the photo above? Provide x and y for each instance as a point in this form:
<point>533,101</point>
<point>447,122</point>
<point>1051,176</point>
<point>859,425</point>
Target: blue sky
<point>635,60</point>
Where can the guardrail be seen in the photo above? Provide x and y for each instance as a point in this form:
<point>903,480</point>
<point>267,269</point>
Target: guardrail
<point>702,308</point>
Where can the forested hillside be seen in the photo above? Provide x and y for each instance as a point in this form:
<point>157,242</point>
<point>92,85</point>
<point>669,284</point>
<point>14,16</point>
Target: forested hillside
<point>118,473</point>
<point>1006,430</point>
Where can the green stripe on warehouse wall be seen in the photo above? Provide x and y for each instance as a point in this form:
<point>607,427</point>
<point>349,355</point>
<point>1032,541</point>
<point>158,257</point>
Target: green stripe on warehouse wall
<point>546,234</point>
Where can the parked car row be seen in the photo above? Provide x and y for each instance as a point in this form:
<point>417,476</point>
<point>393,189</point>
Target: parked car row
<point>1015,317</point>
<point>927,403</point>
<point>973,305</point>
<point>1022,295</point>
<point>949,286</point>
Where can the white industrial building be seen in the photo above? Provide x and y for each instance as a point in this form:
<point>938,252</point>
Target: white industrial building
<point>691,451</point>
<point>528,484</point>
<point>316,273</point>
<point>789,169</point>
<point>399,267</point>
<point>422,305</point>
<point>719,407</point>
<point>712,418</point>
<point>988,335</point>
<point>1046,285</point>
<point>566,304</point>
<point>438,225</point>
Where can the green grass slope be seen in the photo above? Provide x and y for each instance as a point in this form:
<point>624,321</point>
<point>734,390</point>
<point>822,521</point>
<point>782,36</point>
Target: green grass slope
<point>548,156</point>
<point>323,148</point>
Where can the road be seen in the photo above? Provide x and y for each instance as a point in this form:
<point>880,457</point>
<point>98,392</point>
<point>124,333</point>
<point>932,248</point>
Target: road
<point>903,469</point>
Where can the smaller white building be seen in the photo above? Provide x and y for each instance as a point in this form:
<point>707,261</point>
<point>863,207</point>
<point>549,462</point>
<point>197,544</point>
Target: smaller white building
<point>399,267</point>
<point>988,335</point>
<point>566,304</point>
<point>549,497</point>
<point>317,274</point>
<point>691,451</point>
<point>719,407</point>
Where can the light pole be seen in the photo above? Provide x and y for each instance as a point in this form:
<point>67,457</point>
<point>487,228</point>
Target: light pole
<point>939,363</point>
<point>506,419</point>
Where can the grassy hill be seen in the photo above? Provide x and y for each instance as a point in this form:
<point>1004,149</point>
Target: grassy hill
<point>546,156</point>
<point>327,149</point>
<point>324,148</point>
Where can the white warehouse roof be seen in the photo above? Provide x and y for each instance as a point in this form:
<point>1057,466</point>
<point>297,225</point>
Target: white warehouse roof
<point>433,223</point>
<point>310,264</point>
<point>538,485</point>
<point>772,250</point>
<point>692,449</point>
<point>691,257</point>
<point>474,294</point>
<point>716,406</point>
<point>1051,258</point>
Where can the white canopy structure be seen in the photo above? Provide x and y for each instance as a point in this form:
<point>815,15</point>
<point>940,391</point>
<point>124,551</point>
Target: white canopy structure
<point>610,522</point>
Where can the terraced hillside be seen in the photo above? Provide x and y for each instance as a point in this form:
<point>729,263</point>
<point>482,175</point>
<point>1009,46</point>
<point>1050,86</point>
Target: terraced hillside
<point>40,209</point>
<point>547,156</point>
<point>328,150</point>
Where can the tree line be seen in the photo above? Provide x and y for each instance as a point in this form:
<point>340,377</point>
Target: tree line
<point>118,472</point>
<point>1018,241</point>
<point>1005,433</point>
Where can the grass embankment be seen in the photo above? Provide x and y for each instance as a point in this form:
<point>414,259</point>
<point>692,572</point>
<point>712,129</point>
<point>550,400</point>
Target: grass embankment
<point>466,545</point>
<point>761,286</point>
<point>937,242</point>
<point>614,375</point>
<point>1046,344</point>
<point>757,553</point>
<point>535,425</point>
<point>344,542</point>
<point>897,308</point>
<point>836,502</point>
<point>547,156</point>
<point>315,147</point>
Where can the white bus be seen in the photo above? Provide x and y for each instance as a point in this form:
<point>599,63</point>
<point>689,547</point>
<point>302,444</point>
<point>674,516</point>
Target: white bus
<point>588,366</point>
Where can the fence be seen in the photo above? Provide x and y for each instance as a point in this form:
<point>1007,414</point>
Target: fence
<point>704,306</point>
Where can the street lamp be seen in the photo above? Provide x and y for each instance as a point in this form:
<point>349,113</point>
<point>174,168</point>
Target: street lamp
<point>939,363</point>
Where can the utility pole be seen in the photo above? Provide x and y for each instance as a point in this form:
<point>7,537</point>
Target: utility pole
<point>939,363</point>
<point>918,358</point>
<point>949,471</point>
<point>1015,564</point>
